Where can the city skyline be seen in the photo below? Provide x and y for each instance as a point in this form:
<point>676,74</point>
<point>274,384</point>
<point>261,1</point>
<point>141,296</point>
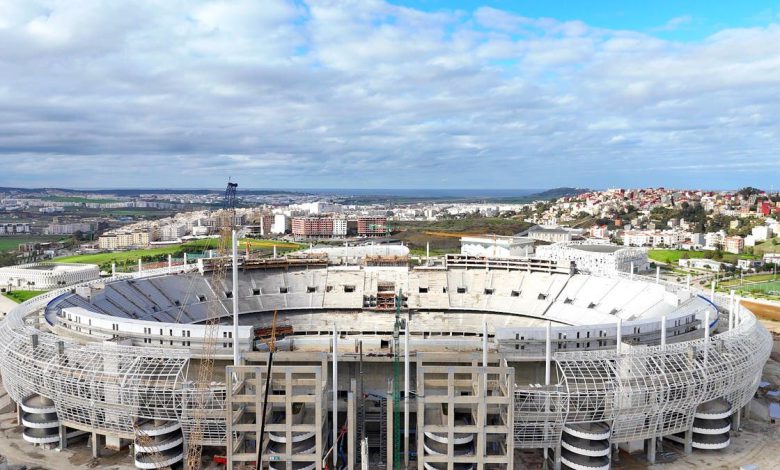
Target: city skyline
<point>406,94</point>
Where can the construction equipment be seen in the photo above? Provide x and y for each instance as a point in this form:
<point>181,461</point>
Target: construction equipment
<point>271,342</point>
<point>206,370</point>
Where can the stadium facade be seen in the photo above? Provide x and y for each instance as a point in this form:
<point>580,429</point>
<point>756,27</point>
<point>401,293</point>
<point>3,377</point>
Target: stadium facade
<point>493,356</point>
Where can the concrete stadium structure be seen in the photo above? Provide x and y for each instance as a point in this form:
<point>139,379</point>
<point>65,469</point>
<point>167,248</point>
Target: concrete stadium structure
<point>498,355</point>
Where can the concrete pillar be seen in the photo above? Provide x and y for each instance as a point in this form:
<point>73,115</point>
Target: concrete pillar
<point>274,251</point>
<point>170,263</point>
<point>619,336</point>
<point>185,260</point>
<point>731,309</point>
<point>236,293</point>
<point>19,414</point>
<point>140,265</point>
<point>95,445</point>
<point>351,423</point>
<point>712,290</point>
<point>406,397</point>
<point>336,395</point>
<point>651,450</point>
<point>663,330</point>
<point>63,437</point>
<point>736,420</point>
<point>390,429</point>
<point>113,269</point>
<point>657,274</point>
<point>687,448</point>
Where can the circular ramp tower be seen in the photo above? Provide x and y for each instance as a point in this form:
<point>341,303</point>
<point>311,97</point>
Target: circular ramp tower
<point>585,446</point>
<point>161,446</point>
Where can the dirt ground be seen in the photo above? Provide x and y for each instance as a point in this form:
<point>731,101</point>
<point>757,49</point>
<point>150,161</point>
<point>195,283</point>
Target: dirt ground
<point>764,311</point>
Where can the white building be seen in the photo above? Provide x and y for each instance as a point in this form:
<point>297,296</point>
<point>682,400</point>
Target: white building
<point>761,233</point>
<point>66,229</point>
<point>339,227</point>
<point>45,276</point>
<point>497,246</point>
<point>713,240</point>
<point>173,231</point>
<point>653,238</point>
<point>281,224</point>
<point>552,234</point>
<point>14,228</point>
<point>597,258</point>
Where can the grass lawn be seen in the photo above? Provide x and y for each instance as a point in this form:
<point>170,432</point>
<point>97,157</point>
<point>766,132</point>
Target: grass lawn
<point>748,279</point>
<point>20,296</point>
<point>673,256</point>
<point>132,256</point>
<point>12,242</point>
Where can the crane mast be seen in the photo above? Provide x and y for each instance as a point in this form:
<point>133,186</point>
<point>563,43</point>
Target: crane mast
<point>206,370</point>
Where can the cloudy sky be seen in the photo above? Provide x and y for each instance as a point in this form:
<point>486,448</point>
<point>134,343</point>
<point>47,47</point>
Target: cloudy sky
<point>406,94</point>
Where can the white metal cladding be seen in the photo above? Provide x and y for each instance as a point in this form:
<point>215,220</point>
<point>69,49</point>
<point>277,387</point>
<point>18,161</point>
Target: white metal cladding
<point>642,392</point>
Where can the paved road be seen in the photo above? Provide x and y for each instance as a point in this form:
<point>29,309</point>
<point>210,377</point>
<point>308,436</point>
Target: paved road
<point>6,305</point>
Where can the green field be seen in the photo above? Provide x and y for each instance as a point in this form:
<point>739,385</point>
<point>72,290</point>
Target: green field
<point>749,279</point>
<point>11,243</point>
<point>160,253</point>
<point>673,256</point>
<point>20,296</point>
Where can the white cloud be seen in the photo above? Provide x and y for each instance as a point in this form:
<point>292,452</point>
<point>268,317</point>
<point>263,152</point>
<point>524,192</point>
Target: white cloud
<point>361,93</point>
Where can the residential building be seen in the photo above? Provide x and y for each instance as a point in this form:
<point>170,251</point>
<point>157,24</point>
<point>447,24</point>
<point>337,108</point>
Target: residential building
<point>734,244</point>
<point>372,226</point>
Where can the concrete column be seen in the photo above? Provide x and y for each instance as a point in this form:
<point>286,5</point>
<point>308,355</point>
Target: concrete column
<point>706,337</point>
<point>619,336</point>
<point>731,309</point>
<point>170,263</point>
<point>484,344</point>
<point>185,260</point>
<point>63,437</point>
<point>687,448</point>
<point>236,293</point>
<point>736,419</point>
<point>651,450</point>
<point>95,445</point>
<point>140,265</point>
<point>274,251</point>
<point>547,360</point>
<point>657,274</point>
<point>351,423</point>
<point>427,253</point>
<point>663,330</point>
<point>390,429</point>
<point>113,269</point>
<point>712,290</point>
<point>336,394</point>
<point>406,397</point>
<point>19,414</point>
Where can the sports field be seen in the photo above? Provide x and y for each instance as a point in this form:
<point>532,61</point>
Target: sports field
<point>196,246</point>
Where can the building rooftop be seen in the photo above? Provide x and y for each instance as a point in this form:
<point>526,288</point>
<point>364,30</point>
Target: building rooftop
<point>598,248</point>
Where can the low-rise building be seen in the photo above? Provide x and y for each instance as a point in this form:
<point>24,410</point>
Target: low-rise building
<point>46,276</point>
<point>734,244</point>
<point>497,246</point>
<point>597,258</point>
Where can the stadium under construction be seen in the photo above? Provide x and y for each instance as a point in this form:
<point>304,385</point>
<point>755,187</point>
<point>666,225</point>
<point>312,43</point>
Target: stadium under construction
<point>454,366</point>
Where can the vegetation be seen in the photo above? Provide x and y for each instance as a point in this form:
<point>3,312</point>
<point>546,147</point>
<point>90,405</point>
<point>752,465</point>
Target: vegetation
<point>130,257</point>
<point>20,296</point>
<point>444,235</point>
<point>674,256</point>
<point>83,200</point>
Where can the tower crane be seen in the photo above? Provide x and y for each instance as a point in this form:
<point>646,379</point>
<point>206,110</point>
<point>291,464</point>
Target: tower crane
<point>206,370</point>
